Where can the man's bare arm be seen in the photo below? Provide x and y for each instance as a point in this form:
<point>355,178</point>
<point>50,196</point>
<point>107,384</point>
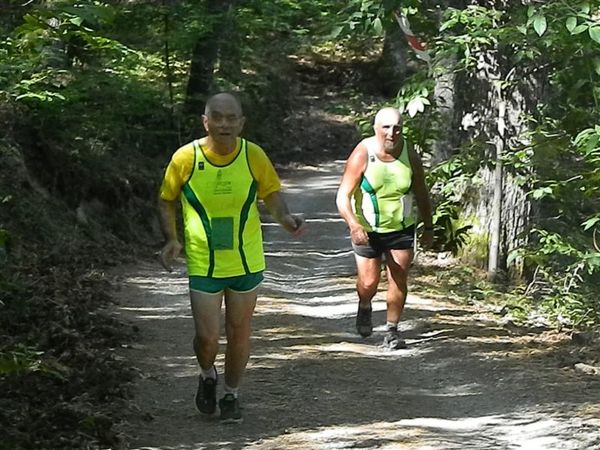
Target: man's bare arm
<point>420,189</point>
<point>422,197</point>
<point>353,172</point>
<point>277,206</point>
<point>168,224</point>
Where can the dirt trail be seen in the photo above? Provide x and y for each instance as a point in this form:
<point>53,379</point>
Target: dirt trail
<point>311,383</point>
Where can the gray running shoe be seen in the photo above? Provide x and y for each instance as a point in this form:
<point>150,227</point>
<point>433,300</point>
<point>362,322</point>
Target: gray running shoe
<point>364,324</point>
<point>230,409</point>
<point>392,340</point>
<point>206,395</point>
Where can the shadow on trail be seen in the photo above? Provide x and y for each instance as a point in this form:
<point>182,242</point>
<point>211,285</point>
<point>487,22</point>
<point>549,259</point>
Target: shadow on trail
<point>312,383</point>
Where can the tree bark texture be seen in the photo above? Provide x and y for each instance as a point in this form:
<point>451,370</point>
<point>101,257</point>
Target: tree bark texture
<point>483,110</point>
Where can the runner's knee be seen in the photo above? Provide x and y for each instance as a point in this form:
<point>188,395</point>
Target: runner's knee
<point>204,341</point>
<point>367,284</point>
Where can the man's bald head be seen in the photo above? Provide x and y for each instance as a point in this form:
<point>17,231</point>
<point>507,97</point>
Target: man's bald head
<point>388,115</point>
<point>223,100</point>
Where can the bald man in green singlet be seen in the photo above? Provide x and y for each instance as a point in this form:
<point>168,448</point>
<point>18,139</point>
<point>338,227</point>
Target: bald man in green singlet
<point>382,177</point>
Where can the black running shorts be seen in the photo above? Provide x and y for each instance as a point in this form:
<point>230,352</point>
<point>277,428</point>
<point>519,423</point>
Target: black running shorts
<point>379,243</point>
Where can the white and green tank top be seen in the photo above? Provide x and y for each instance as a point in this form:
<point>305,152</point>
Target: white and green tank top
<point>384,202</point>
<point>223,236</point>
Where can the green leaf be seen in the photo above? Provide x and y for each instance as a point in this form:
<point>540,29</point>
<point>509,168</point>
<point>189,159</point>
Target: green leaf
<point>590,223</point>
<point>415,106</point>
<point>45,96</point>
<point>28,18</point>
<point>449,24</point>
<point>585,8</point>
<point>540,24</point>
<point>591,144</point>
<point>31,95</point>
<point>579,29</point>
<point>571,23</point>
<point>582,136</point>
<point>336,32</point>
<point>378,26</point>
<point>76,20</point>
<point>541,192</point>
<point>530,11</point>
<point>597,66</point>
<point>595,33</point>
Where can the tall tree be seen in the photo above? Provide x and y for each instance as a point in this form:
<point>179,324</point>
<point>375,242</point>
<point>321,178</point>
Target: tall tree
<point>209,46</point>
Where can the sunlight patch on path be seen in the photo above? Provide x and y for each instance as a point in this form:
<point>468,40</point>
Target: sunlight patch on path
<point>334,306</point>
<point>431,433</point>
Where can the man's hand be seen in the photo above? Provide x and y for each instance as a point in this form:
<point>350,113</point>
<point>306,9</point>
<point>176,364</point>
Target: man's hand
<point>169,253</point>
<point>359,236</point>
<point>295,224</point>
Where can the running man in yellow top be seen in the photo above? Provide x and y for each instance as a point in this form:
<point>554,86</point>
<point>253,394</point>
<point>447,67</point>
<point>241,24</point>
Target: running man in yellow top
<point>375,198</point>
<point>218,180</point>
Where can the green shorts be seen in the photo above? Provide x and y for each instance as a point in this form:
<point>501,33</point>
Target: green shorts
<point>242,283</point>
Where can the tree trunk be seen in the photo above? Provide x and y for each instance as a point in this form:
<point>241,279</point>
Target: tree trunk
<point>229,57</point>
<point>168,69</point>
<point>496,213</point>
<point>394,64</point>
<point>204,57</point>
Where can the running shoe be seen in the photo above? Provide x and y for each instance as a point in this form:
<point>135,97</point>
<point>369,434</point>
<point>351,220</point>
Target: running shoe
<point>230,409</point>
<point>392,340</point>
<point>364,324</point>
<point>206,395</point>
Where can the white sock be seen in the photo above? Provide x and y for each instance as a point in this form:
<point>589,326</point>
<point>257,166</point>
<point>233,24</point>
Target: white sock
<point>391,326</point>
<point>230,390</point>
<point>210,373</point>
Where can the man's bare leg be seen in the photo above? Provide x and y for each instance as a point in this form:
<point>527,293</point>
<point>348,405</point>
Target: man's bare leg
<point>367,281</point>
<point>398,265</point>
<point>239,307</point>
<point>206,311</point>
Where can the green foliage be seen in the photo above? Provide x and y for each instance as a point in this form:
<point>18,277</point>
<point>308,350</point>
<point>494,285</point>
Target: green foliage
<point>450,184</point>
<point>301,23</point>
<point>467,32</point>
<point>25,360</point>
<point>563,250</point>
<point>50,43</point>
<point>414,96</point>
<point>558,164</point>
<point>451,235</point>
<point>363,18</point>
